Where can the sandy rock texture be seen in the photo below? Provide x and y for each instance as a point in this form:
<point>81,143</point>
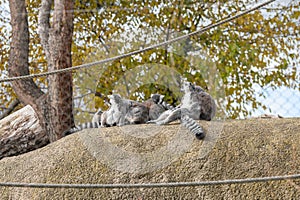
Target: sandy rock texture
<point>233,149</point>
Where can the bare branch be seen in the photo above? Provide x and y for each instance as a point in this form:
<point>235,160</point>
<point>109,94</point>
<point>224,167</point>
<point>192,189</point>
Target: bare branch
<point>44,25</point>
<point>10,108</point>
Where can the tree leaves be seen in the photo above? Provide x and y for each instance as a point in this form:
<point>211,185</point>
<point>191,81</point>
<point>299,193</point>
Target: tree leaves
<point>259,48</point>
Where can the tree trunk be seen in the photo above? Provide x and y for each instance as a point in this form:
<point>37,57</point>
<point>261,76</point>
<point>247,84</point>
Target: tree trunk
<point>26,90</point>
<point>60,85</point>
<point>54,109</point>
<point>57,41</point>
<point>21,132</point>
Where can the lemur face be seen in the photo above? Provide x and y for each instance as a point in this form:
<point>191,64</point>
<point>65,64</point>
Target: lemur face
<point>157,98</point>
<point>161,98</point>
<point>187,87</point>
<point>198,89</point>
<point>99,111</point>
<point>114,98</point>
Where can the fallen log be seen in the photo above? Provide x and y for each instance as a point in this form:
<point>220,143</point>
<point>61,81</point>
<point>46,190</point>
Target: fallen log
<point>20,132</point>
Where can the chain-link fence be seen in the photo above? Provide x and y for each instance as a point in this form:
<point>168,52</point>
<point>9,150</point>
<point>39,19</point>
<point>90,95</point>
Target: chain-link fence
<point>239,90</point>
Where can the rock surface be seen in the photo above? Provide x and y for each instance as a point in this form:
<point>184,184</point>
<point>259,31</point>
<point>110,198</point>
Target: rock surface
<point>234,149</point>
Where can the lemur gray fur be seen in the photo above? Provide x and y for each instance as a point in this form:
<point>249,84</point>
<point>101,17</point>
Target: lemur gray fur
<point>159,99</point>
<point>123,112</point>
<point>156,106</point>
<point>137,114</point>
<point>196,104</point>
<point>115,115</point>
<point>97,116</point>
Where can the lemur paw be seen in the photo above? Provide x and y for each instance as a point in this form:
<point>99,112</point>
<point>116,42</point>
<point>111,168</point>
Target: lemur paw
<point>151,122</point>
<point>200,136</point>
<point>160,123</point>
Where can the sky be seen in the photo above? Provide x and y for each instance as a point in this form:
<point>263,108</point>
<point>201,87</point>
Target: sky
<point>282,101</point>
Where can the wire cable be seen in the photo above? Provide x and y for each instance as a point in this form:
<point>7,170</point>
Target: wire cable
<point>152,185</point>
<point>137,51</point>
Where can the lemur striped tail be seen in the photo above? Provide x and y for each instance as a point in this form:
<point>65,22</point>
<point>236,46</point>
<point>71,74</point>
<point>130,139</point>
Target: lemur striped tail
<point>193,126</point>
<point>159,99</point>
<point>166,105</point>
<point>81,127</point>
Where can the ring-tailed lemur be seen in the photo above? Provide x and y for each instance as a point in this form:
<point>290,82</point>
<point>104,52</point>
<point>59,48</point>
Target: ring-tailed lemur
<point>115,115</point>
<point>97,116</point>
<point>195,105</point>
<point>137,114</point>
<point>121,112</point>
<point>156,106</point>
<point>124,111</point>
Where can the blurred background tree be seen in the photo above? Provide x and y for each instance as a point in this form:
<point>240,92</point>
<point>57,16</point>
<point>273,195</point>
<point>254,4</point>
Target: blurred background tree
<point>257,50</point>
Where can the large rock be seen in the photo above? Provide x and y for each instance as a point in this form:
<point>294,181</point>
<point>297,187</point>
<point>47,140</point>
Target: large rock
<point>234,149</point>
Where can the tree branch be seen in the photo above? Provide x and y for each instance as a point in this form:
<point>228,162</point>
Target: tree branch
<point>26,90</point>
<point>10,108</point>
<point>44,25</point>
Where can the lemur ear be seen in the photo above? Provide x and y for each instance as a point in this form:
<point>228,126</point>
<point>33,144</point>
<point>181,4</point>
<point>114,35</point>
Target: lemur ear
<point>99,111</point>
<point>161,98</point>
<point>192,85</point>
<point>151,95</point>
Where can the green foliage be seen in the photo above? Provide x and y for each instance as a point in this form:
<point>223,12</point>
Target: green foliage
<point>258,49</point>
<point>150,72</point>
<point>244,50</point>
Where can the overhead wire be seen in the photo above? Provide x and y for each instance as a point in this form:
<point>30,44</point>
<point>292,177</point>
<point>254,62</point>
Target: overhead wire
<point>87,65</point>
<point>152,185</point>
<point>146,185</point>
